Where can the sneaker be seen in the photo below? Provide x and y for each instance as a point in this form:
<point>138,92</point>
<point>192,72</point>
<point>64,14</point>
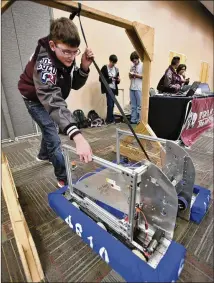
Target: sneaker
<point>43,160</point>
<point>61,184</point>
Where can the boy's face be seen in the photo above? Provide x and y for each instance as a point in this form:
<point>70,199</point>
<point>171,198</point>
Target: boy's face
<point>65,53</point>
<point>135,61</point>
<point>112,64</point>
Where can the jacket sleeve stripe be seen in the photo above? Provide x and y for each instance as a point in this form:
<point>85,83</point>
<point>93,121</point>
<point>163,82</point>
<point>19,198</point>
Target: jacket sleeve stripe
<point>72,131</point>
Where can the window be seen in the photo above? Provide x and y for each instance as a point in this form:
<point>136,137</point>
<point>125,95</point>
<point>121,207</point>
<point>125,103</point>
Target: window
<point>173,54</point>
<point>204,72</point>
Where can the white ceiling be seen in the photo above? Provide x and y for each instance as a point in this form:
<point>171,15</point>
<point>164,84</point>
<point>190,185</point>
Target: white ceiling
<point>209,5</point>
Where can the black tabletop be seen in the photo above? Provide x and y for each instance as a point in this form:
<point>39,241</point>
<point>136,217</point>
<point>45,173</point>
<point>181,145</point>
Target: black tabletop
<point>167,114</point>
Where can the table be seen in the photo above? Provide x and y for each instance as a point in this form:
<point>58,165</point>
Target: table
<point>167,114</point>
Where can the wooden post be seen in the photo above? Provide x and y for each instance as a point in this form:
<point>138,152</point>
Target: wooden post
<point>88,12</point>
<point>145,89</point>
<point>132,35</point>
<point>25,244</point>
<point>146,36</point>
<point>5,4</point>
<point>143,36</point>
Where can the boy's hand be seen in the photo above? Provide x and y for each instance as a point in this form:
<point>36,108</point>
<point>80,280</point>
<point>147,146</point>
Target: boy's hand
<point>86,61</point>
<point>131,75</point>
<point>83,148</point>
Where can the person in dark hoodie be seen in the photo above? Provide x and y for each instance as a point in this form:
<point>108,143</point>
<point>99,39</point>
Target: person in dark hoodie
<point>112,76</point>
<point>46,82</point>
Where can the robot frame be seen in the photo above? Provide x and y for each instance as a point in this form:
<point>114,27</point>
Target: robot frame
<point>127,213</point>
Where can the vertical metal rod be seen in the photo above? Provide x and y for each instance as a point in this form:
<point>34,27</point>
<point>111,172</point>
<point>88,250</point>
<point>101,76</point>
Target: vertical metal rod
<point>68,170</point>
<point>118,146</point>
<point>132,206</point>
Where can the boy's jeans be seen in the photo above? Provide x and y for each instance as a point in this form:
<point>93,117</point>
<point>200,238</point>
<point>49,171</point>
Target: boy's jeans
<point>135,98</point>
<point>50,144</point>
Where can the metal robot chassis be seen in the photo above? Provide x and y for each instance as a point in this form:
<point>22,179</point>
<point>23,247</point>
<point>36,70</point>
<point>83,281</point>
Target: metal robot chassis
<point>136,205</point>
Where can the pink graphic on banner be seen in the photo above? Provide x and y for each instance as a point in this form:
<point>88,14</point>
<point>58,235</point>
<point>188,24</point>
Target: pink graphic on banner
<point>199,120</point>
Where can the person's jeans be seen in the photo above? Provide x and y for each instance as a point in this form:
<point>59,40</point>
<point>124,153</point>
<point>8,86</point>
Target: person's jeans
<point>51,144</point>
<point>135,98</point>
<point>110,108</point>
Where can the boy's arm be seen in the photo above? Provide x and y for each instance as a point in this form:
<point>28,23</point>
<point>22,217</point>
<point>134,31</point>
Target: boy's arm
<point>50,96</point>
<point>80,75</point>
<point>130,73</point>
<point>79,78</point>
<point>138,76</point>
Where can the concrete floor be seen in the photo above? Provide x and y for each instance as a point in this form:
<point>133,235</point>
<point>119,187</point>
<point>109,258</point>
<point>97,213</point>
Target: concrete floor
<point>64,257</point>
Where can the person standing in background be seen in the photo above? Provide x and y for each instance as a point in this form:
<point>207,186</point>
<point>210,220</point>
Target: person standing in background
<point>136,76</point>
<point>112,76</point>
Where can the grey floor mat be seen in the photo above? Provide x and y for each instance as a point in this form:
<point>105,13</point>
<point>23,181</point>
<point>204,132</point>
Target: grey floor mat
<point>64,257</point>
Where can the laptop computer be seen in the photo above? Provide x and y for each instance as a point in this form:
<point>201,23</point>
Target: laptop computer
<point>190,92</point>
<point>193,89</point>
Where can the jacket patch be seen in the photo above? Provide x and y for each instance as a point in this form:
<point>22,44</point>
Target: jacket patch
<point>48,72</point>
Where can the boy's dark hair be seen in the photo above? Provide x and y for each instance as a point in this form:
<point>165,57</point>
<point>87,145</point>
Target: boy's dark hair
<point>134,56</point>
<point>113,58</point>
<point>64,30</point>
<point>180,67</point>
<point>175,60</point>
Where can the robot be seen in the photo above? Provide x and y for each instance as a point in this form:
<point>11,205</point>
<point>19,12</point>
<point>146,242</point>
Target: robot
<point>127,212</point>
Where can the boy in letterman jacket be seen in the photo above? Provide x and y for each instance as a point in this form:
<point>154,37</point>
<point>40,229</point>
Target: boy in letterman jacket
<point>45,84</point>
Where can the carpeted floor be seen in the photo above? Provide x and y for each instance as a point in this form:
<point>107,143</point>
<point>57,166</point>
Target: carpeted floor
<point>64,257</point>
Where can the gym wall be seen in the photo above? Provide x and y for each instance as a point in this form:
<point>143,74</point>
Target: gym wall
<point>180,26</point>
<point>22,25</point>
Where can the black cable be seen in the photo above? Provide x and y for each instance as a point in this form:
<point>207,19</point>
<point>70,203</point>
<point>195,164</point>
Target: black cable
<point>108,89</point>
<point>75,13</point>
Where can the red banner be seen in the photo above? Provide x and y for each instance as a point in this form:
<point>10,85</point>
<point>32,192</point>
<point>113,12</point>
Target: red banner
<point>199,120</point>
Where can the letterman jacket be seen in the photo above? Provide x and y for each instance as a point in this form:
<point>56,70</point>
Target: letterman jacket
<point>47,80</point>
